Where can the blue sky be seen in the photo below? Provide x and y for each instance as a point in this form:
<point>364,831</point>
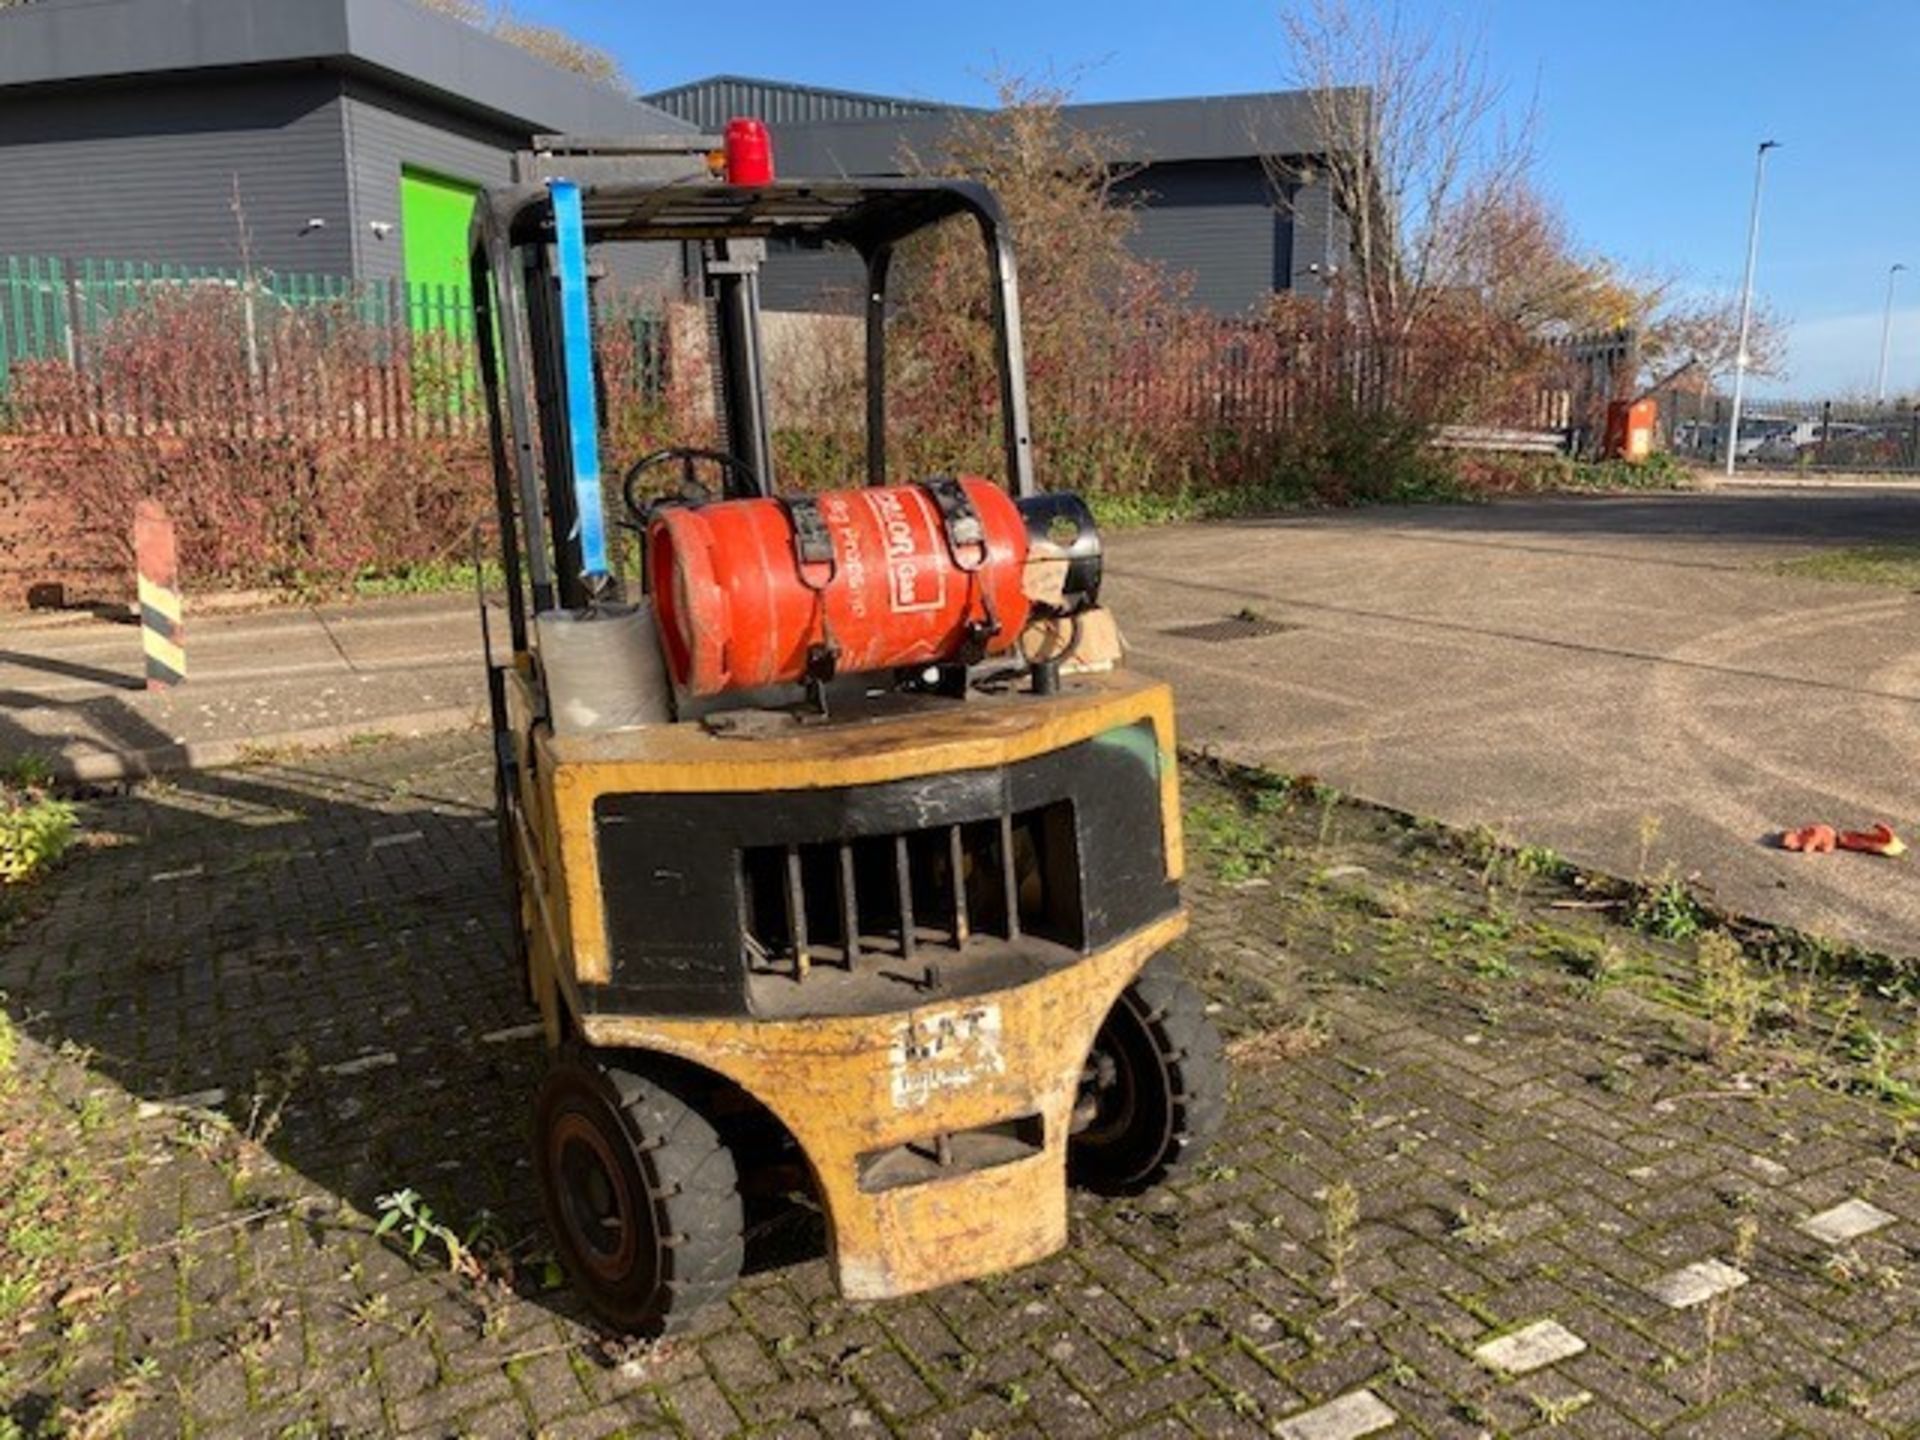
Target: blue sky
<point>1648,114</point>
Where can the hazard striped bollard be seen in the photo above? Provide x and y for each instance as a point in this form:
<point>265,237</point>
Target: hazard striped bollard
<point>161,626</point>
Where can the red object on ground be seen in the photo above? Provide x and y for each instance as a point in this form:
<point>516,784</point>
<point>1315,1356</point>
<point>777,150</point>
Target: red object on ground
<point>749,153</point>
<point>737,608</point>
<point>1630,425</point>
<point>1810,839</point>
<point>1874,840</point>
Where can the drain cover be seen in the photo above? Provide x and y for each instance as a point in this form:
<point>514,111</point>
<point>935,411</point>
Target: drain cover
<point>1234,627</point>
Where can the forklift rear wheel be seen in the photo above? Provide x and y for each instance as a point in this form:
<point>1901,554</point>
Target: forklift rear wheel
<point>1155,1087</point>
<point>641,1193</point>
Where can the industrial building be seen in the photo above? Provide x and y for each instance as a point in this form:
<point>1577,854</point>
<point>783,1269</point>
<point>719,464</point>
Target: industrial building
<point>321,137</point>
<point>1226,189</point>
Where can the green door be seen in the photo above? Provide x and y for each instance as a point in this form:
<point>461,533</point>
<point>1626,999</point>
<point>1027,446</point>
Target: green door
<point>434,214</point>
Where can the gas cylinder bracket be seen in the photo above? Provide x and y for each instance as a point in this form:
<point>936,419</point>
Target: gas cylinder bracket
<point>964,528</point>
<point>812,541</point>
<point>979,635</point>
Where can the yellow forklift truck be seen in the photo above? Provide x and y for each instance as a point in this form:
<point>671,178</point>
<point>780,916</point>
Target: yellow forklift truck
<point>841,848</point>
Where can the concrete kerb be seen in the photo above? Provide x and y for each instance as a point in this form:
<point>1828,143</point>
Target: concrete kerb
<point>1790,480</point>
<point>109,766</point>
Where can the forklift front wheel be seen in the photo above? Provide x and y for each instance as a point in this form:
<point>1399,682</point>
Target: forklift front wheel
<point>640,1192</point>
<point>1155,1087</point>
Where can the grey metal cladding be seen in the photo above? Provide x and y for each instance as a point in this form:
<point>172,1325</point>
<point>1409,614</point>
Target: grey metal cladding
<point>67,41</point>
<point>1215,222</point>
<point>419,48</point>
<point>830,279</point>
<point>388,131</point>
<point>57,41</point>
<point>1218,127</point>
<point>1205,127</point>
<point>711,102</point>
<point>1320,238</point>
<point>148,172</point>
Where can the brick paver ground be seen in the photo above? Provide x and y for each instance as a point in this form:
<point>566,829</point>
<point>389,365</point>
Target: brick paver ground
<point>1463,1107</point>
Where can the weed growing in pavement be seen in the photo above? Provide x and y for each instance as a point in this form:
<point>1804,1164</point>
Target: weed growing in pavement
<point>1649,833</point>
<point>108,1410</point>
<point>1730,991</point>
<point>1884,1064</point>
<point>1280,1042</point>
<point>1329,800</point>
<point>35,831</point>
<point>1838,1395</point>
<point>405,1214</point>
<point>1596,959</point>
<point>93,1111</point>
<point>370,1310</point>
<point>1667,909</point>
<point>28,770</point>
<point>272,1089</point>
<point>1340,1214</point>
<point>1236,843</point>
<point>1481,942</point>
<point>1477,1232</point>
<point>9,1049</point>
<point>1557,1410</point>
<point>1540,862</point>
<point>1719,1311</point>
<point>1845,1268</point>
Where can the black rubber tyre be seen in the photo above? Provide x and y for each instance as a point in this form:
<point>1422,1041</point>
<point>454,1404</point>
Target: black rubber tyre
<point>641,1194</point>
<point>1155,1089</point>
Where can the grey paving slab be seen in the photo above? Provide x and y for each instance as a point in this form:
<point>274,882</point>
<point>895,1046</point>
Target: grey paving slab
<point>1532,1347</point>
<point>1848,1220</point>
<point>1348,1418</point>
<point>1697,1283</point>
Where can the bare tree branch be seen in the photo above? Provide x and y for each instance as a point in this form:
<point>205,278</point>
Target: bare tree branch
<point>1413,145</point>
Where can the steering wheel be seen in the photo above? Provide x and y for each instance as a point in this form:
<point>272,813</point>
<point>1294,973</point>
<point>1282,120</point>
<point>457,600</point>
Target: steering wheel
<point>691,489</point>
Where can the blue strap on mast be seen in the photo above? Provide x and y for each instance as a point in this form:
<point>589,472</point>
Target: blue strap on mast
<point>576,344</point>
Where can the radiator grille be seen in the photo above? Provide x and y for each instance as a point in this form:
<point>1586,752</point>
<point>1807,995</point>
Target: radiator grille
<point>912,896</point>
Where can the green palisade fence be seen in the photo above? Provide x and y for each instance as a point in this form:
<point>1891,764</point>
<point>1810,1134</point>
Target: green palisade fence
<point>49,306</point>
<point>294,354</point>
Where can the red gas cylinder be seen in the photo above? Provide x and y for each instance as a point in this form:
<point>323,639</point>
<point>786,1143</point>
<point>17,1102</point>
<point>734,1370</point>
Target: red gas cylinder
<point>755,592</point>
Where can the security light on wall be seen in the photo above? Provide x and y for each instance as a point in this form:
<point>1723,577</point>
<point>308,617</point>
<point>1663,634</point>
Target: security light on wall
<point>318,222</point>
<point>380,228</point>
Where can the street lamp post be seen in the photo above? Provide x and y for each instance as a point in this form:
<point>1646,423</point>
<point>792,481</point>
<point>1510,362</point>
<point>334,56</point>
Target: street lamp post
<point>1746,301</point>
<point>1886,335</point>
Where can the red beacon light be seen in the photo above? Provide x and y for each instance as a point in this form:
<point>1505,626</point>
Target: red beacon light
<point>749,153</point>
